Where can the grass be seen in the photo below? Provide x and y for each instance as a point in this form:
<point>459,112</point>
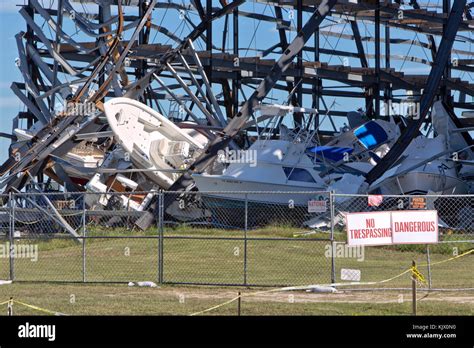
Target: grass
<point>269,262</point>
<point>87,299</point>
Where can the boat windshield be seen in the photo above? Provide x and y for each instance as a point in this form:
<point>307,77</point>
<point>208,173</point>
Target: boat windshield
<point>298,174</point>
<point>371,135</point>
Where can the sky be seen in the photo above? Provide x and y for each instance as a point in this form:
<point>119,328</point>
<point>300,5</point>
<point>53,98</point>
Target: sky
<point>266,34</point>
<point>9,103</point>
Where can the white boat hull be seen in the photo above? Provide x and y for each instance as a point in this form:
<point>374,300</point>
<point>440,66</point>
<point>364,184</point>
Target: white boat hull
<point>151,140</point>
<point>268,193</point>
<point>421,183</point>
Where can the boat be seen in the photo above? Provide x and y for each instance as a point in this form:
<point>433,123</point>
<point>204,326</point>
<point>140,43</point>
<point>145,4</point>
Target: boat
<point>153,142</point>
<point>272,171</point>
<point>278,175</point>
<point>360,148</point>
<point>295,163</point>
<point>427,165</point>
<point>281,166</point>
<point>108,187</point>
<point>79,163</point>
<point>421,171</point>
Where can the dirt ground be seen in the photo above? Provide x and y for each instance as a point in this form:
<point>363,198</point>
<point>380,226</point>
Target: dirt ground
<point>342,296</point>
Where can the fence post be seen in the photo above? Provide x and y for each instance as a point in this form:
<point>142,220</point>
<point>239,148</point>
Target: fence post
<point>160,235</point>
<point>10,307</point>
<point>239,304</point>
<point>428,261</point>
<point>332,214</point>
<point>128,211</point>
<point>84,230</point>
<point>245,236</point>
<point>12,236</point>
<point>413,288</point>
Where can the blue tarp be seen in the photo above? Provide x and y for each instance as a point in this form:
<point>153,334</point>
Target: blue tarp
<point>371,135</point>
<point>332,153</point>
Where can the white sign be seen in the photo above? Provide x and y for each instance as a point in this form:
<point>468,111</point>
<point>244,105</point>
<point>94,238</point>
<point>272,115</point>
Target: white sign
<point>369,228</point>
<point>392,227</point>
<point>350,274</point>
<point>317,206</point>
<point>415,227</point>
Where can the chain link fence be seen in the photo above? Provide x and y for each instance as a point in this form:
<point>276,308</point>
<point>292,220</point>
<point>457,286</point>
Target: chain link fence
<point>222,238</point>
<point>243,239</point>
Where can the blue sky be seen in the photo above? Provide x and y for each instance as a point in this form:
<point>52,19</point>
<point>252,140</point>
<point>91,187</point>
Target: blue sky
<point>10,24</point>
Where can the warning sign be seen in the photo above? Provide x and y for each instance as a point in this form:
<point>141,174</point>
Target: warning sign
<point>392,227</point>
<point>415,227</point>
<point>317,206</point>
<point>369,228</point>
<point>417,202</point>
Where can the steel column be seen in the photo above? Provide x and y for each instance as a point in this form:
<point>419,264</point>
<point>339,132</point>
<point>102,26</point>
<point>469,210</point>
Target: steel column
<point>377,60</point>
<point>299,61</point>
<point>236,81</point>
<point>209,43</point>
<point>445,91</point>
<point>316,88</point>
<point>388,89</point>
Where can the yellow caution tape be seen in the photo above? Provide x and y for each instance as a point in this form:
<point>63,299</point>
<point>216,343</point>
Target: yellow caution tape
<point>32,307</point>
<point>417,274</point>
<point>215,307</point>
<point>38,308</point>
<point>450,259</point>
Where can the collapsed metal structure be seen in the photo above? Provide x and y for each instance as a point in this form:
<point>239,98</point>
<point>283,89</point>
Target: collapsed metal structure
<point>77,52</point>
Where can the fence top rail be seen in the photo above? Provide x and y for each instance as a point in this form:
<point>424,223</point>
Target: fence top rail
<point>19,194</point>
<point>250,192</point>
<point>403,196</point>
<point>76,193</point>
<point>156,192</point>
